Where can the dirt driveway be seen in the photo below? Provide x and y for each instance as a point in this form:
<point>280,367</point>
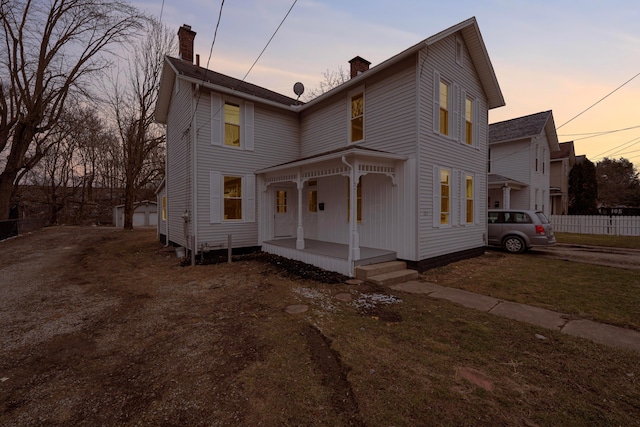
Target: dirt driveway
<point>102,327</point>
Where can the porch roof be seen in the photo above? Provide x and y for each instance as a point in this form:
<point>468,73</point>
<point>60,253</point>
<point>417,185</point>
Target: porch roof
<point>498,181</point>
<point>354,150</point>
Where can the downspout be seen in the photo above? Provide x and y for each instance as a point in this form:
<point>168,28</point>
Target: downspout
<point>194,180</point>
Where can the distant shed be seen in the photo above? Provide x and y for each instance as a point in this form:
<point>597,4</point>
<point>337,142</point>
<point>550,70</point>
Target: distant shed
<point>145,214</point>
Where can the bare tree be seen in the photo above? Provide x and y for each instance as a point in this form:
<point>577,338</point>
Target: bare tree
<point>133,102</point>
<point>52,48</point>
<point>331,79</point>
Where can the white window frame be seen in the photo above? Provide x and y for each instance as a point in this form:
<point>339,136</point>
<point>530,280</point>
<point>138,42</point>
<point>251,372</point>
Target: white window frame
<point>437,200</point>
<point>453,111</point>
<point>475,127</point>
<point>463,198</point>
<point>247,128</point>
<point>459,52</point>
<point>216,191</point>
<point>350,95</point>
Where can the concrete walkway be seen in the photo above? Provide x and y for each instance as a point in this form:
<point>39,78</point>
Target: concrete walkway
<point>598,332</point>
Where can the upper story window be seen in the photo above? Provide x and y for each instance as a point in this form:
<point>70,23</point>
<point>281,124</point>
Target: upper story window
<point>444,107</point>
<point>231,124</point>
<point>459,51</point>
<point>356,122</point>
<point>469,192</point>
<point>468,116</point>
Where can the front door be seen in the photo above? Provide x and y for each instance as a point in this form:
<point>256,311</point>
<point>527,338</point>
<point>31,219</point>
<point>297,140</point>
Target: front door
<point>283,216</point>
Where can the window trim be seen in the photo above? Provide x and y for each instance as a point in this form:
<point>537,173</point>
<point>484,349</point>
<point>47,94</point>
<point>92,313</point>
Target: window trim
<point>352,94</point>
<point>464,177</point>
<point>217,119</point>
<point>459,52</point>
<point>437,197</point>
<point>164,208</point>
<point>248,197</point>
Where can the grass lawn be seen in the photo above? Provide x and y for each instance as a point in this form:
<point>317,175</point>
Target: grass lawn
<point>598,293</point>
<point>627,242</point>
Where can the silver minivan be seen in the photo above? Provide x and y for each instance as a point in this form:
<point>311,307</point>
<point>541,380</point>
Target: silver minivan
<point>517,230</point>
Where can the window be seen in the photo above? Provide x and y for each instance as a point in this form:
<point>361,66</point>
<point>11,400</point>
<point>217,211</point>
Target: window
<point>313,201</point>
<point>469,199</point>
<point>445,196</point>
<point>444,108</point>
<point>231,124</point>
<point>357,117</point>
<point>358,201</point>
<point>281,201</point>
<point>232,197</point>
<point>468,116</point>
<point>459,51</point>
<point>164,208</point>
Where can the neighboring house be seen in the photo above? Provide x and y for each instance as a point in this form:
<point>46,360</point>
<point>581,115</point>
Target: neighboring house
<point>519,162</point>
<point>561,163</point>
<point>144,214</point>
<point>390,164</point>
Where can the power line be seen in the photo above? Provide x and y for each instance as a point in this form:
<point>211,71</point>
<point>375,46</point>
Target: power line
<point>599,101</point>
<point>234,90</point>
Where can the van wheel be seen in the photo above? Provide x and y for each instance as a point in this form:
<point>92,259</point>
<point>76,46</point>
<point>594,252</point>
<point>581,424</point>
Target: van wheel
<point>514,244</point>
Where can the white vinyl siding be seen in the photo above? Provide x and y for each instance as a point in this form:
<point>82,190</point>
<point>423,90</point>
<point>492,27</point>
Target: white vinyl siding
<point>434,153</point>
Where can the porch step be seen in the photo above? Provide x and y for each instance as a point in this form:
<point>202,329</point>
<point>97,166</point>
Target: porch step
<point>363,272</point>
<point>386,273</point>
<point>393,278</point>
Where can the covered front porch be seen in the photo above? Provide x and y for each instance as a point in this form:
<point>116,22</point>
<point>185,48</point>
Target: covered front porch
<point>336,210</point>
<point>500,189</point>
<point>327,255</point>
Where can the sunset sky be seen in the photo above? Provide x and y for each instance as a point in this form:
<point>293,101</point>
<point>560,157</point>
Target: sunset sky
<point>556,55</point>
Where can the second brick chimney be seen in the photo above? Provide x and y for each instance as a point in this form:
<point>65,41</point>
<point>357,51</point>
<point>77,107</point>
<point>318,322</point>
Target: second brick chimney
<point>358,65</point>
<point>185,43</point>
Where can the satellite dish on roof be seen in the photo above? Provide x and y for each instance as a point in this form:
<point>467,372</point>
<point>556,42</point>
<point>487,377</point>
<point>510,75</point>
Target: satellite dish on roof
<point>298,89</point>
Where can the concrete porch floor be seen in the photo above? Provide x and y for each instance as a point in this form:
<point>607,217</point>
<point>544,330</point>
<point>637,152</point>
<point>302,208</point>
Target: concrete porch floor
<point>337,250</point>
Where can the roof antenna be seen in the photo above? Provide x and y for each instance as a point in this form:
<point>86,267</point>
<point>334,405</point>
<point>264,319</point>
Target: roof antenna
<point>298,89</point>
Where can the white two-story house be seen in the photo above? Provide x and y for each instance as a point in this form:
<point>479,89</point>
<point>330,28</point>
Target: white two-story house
<point>389,165</point>
<point>519,162</point>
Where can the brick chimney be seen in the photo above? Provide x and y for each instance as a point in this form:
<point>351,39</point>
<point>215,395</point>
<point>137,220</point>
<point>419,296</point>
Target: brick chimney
<point>185,42</point>
<point>358,65</point>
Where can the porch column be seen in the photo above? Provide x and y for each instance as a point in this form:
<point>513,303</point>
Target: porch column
<point>506,197</point>
<point>300,229</point>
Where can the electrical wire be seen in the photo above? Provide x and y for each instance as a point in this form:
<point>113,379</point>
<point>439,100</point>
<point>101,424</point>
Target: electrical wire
<point>597,102</point>
<point>235,89</point>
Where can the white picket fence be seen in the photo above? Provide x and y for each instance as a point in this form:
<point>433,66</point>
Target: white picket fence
<point>597,224</point>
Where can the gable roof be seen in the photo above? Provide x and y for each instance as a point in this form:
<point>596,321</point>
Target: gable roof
<point>525,127</point>
<point>477,50</point>
<point>468,29</point>
<point>566,151</point>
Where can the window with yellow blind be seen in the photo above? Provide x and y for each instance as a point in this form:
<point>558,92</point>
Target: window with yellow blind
<point>445,196</point>
<point>469,205</point>
<point>231,124</point>
<point>232,197</point>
